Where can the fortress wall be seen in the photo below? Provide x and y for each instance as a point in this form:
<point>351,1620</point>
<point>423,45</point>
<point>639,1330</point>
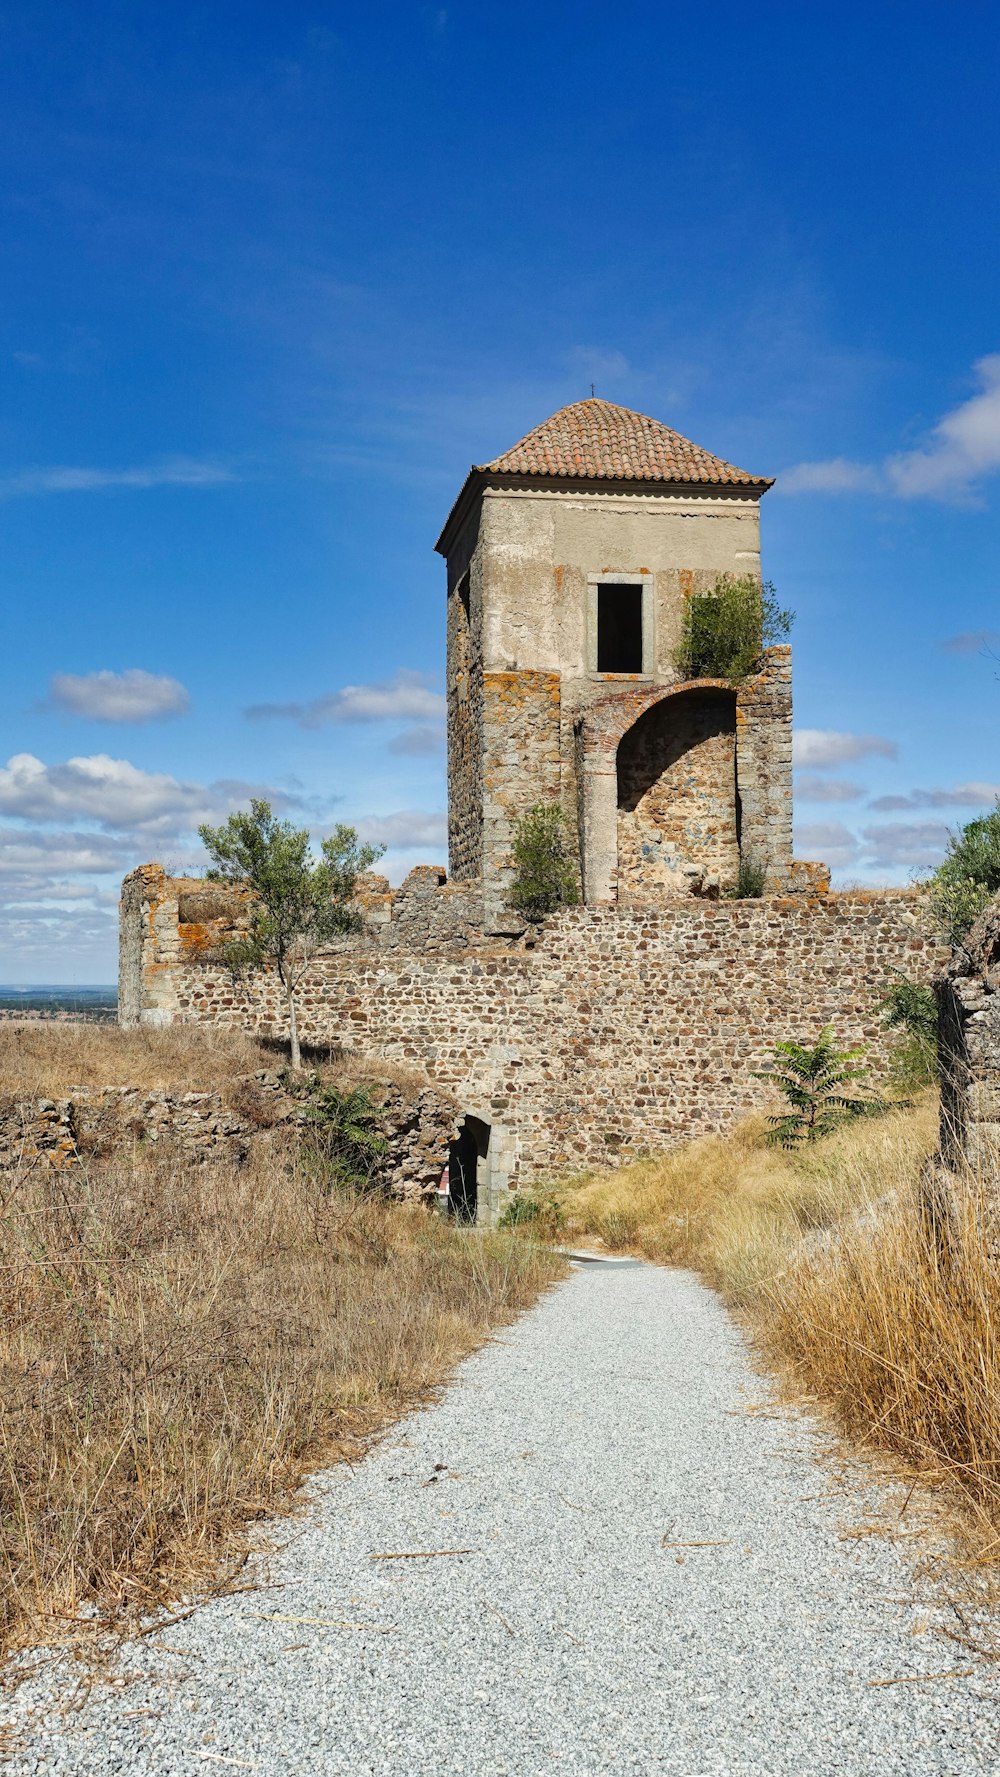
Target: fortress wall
<point>610,1032</point>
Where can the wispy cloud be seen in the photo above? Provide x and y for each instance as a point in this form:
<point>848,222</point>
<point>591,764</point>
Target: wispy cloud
<point>131,696</point>
<point>972,641</point>
<point>826,789</point>
<point>177,472</point>
<point>829,841</point>
<point>407,830</point>
<point>838,476</point>
<point>959,452</point>
<point>407,697</point>
<point>971,795</point>
<point>822,748</point>
<point>119,797</point>
<point>417,743</point>
<point>913,845</point>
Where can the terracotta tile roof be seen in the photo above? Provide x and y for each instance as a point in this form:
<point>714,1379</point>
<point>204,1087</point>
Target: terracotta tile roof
<point>596,441</point>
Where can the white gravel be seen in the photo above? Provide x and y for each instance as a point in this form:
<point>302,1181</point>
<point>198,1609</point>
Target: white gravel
<point>610,1420</point>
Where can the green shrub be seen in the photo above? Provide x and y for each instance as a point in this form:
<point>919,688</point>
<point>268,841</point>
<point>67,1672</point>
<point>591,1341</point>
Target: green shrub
<point>343,1140</point>
<point>969,877</point>
<point>910,1007</point>
<point>750,881</point>
<point>538,1212</point>
<point>812,1082</point>
<point>725,631</point>
<point>544,869</point>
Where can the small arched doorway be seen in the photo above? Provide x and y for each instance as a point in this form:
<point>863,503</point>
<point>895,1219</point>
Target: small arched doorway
<point>678,805</point>
<point>467,1158</point>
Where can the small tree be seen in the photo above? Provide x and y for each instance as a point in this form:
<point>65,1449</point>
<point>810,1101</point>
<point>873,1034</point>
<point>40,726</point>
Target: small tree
<point>544,871</point>
<point>298,903</point>
<point>969,876</point>
<point>812,1082</point>
<point>910,1007</point>
<point>725,631</point>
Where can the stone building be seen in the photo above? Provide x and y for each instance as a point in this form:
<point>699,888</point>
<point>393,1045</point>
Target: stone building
<point>642,1016</point>
<point>569,561</point>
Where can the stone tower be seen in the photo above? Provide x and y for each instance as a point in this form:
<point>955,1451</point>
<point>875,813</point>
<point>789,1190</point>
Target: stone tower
<point>569,561</point>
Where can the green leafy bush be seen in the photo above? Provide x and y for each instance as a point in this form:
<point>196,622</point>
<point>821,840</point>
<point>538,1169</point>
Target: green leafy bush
<point>969,877</point>
<point>812,1082</point>
<point>544,868</point>
<point>751,879</point>
<point>538,1212</point>
<point>725,631</point>
<point>910,1007</point>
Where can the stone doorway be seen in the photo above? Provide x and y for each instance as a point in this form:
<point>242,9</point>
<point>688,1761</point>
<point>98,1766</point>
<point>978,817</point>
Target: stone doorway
<point>468,1169</point>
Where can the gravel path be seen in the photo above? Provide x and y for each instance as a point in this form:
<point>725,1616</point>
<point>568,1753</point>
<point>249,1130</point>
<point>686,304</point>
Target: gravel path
<point>610,1420</point>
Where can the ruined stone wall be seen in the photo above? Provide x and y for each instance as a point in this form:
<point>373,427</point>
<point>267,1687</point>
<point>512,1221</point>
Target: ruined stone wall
<point>613,1030</point>
<point>465,711</point>
<point>418,1124</point>
<point>968,995</point>
<point>521,766</point>
<point>677,795</point>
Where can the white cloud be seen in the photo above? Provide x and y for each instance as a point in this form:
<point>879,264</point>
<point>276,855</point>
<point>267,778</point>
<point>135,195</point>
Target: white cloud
<point>912,845</point>
<point>27,852</point>
<point>972,641</point>
<point>417,742</point>
<point>408,830</point>
<point>131,696</point>
<point>821,748</point>
<point>838,476</point>
<point>177,472</point>
<point>973,795</point>
<point>826,789</point>
<point>407,697</point>
<point>119,797</point>
<point>828,841</point>
<point>962,448</point>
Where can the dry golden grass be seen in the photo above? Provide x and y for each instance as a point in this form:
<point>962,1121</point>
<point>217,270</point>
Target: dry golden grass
<point>182,1344</point>
<point>42,1059</point>
<point>828,1256</point>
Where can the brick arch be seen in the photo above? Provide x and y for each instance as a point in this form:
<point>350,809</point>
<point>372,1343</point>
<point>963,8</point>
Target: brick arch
<point>612,718</point>
<point>678,807</point>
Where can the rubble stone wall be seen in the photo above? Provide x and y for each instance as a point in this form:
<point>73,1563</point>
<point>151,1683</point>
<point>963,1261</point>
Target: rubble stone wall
<point>968,995</point>
<point>418,1124</point>
<point>608,1032</point>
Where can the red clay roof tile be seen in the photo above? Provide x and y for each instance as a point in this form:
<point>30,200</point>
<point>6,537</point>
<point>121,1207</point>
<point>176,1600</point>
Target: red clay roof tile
<point>596,441</point>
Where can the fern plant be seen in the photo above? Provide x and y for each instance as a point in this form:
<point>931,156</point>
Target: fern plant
<point>812,1081</point>
<point>345,1141</point>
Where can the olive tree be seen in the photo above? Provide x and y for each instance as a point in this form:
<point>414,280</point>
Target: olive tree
<point>298,903</point>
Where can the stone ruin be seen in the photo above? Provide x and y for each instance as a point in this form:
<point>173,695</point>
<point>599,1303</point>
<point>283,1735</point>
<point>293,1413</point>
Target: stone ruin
<point>968,996</point>
<point>638,1018</point>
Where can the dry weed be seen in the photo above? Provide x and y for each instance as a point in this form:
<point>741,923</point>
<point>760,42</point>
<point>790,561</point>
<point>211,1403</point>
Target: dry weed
<point>39,1059</point>
<point>182,1344</point>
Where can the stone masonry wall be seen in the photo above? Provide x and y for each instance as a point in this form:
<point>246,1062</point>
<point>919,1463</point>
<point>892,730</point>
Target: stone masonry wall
<point>968,995</point>
<point>677,795</point>
<point>610,1032</point>
<point>417,1122</point>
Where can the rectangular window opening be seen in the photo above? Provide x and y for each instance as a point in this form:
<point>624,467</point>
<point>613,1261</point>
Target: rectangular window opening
<point>619,629</point>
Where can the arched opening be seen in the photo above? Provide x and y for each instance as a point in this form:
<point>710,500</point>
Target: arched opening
<point>466,1156</point>
<point>678,805</point>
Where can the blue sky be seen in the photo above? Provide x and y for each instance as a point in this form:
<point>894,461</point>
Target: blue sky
<point>275,275</point>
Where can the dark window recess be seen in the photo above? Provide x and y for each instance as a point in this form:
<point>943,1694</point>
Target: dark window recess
<point>619,629</point>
